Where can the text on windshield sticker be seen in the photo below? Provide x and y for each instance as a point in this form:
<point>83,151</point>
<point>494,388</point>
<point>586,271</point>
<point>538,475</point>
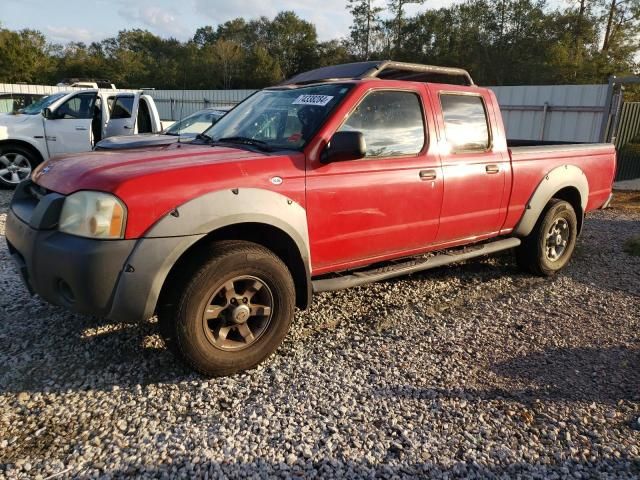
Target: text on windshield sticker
<point>319,100</point>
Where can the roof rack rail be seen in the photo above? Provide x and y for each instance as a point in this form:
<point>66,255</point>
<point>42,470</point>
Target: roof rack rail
<point>387,69</point>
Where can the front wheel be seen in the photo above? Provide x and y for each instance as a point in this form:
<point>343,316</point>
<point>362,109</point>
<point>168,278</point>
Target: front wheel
<point>549,247</point>
<point>235,311</point>
<point>16,165</point>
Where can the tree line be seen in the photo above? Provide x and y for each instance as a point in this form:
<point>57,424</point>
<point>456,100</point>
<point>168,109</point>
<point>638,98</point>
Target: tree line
<point>504,42</point>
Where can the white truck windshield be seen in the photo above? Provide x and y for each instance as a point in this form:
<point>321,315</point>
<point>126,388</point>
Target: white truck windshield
<point>36,107</point>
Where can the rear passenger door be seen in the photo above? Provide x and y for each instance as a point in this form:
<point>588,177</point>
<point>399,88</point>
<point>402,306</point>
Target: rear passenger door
<point>385,204</point>
<point>474,201</point>
<point>123,114</point>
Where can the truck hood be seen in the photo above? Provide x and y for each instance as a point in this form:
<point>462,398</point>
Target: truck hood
<point>154,181</point>
<point>16,118</point>
<point>123,142</point>
<point>109,170</point>
<point>14,123</point>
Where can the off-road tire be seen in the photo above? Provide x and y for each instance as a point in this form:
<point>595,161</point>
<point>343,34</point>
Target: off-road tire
<point>182,325</point>
<point>532,256</point>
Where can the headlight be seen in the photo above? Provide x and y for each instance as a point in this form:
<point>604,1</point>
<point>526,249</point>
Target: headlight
<point>93,215</point>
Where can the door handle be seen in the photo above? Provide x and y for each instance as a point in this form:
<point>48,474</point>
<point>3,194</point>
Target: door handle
<point>428,174</point>
<point>82,128</point>
<point>492,169</point>
<point>128,127</point>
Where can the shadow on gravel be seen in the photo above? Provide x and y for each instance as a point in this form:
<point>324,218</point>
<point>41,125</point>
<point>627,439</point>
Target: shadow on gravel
<point>102,355</point>
<point>605,375</point>
<point>623,467</point>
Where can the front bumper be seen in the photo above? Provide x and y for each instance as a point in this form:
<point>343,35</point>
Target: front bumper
<point>117,279</point>
<point>78,273</point>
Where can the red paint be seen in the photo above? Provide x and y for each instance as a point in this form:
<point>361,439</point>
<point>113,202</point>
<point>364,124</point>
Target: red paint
<point>360,211</point>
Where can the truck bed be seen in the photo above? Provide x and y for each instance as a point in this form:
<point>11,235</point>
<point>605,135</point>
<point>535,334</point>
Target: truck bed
<point>532,160</point>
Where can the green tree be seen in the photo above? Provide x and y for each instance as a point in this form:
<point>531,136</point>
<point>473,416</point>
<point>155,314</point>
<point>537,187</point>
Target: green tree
<point>261,69</point>
<point>333,52</point>
<point>366,21</point>
<point>397,11</point>
<point>25,56</point>
<point>293,42</point>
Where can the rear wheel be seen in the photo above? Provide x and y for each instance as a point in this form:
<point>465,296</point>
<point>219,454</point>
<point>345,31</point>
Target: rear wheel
<point>234,312</point>
<point>16,165</point>
<point>550,245</point>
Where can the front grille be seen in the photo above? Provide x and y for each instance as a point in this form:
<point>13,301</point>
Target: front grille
<point>37,191</point>
<point>29,197</point>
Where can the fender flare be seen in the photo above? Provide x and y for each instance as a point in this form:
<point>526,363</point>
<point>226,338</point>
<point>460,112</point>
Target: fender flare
<point>212,211</point>
<point>158,250</point>
<point>555,180</point>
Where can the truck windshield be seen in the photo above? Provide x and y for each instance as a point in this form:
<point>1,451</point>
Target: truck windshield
<point>195,123</point>
<point>36,107</point>
<point>279,118</point>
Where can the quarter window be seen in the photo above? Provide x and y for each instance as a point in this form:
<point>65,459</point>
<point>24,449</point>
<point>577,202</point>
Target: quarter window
<point>465,122</point>
<point>392,123</point>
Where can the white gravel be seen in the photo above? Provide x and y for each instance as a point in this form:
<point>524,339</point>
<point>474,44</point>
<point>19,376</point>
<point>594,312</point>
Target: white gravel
<point>468,371</point>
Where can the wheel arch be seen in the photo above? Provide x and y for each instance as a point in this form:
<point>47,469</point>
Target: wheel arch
<point>266,235</point>
<point>256,215</point>
<point>566,182</point>
<point>26,145</point>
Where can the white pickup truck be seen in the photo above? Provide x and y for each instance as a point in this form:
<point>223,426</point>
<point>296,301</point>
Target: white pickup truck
<point>69,122</point>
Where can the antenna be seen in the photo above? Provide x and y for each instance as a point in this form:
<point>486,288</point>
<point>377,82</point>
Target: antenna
<point>184,86</point>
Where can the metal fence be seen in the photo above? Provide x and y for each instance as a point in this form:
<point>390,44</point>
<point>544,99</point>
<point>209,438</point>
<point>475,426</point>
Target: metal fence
<point>172,104</point>
<point>566,113</point>
<point>570,113</point>
<point>627,141</point>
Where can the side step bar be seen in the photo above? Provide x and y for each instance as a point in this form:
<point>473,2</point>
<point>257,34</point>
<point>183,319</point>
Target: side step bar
<point>412,266</point>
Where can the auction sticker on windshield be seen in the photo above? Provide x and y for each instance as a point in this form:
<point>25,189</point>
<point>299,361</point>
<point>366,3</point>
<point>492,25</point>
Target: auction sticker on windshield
<point>319,100</point>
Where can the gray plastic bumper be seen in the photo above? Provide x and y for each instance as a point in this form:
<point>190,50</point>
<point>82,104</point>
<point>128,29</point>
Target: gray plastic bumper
<point>117,279</point>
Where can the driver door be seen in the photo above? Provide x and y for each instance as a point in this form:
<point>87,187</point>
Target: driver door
<point>69,128</point>
<point>124,111</point>
<point>386,204</point>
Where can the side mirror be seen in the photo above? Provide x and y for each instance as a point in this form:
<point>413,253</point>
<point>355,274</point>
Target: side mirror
<point>344,146</point>
<point>48,113</point>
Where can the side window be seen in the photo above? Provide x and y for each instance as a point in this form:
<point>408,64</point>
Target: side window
<point>77,107</point>
<point>122,107</point>
<point>465,122</point>
<point>392,123</point>
<point>6,105</point>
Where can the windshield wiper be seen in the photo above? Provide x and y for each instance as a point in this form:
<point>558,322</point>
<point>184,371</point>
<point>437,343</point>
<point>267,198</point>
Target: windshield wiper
<point>247,141</point>
<point>204,137</point>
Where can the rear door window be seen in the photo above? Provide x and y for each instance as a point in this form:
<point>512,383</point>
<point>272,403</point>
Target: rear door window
<point>465,122</point>
<point>392,123</point>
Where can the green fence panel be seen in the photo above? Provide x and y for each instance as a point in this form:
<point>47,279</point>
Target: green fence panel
<point>628,142</point>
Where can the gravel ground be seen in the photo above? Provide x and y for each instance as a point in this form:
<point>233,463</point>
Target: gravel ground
<point>467,371</point>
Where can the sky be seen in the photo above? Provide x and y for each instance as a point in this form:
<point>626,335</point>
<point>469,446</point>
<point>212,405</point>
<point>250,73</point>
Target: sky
<point>63,21</point>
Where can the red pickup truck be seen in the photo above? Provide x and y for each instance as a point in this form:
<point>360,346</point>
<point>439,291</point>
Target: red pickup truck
<point>341,176</point>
